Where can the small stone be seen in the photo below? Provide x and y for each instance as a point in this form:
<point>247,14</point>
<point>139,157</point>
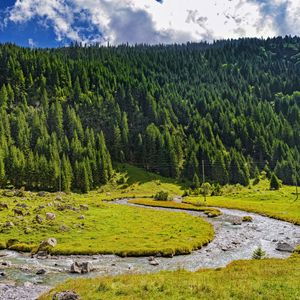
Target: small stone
<point>9,224</point>
<point>67,295</point>
<point>64,228</point>
<point>41,272</point>
<point>237,222</point>
<point>154,262</point>
<point>235,242</point>
<point>41,194</point>
<point>58,198</point>
<point>50,216</point>
<point>84,207</point>
<point>39,219</point>
<point>81,217</point>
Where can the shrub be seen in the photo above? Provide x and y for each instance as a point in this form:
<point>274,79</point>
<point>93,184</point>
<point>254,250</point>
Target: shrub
<point>205,188</point>
<point>256,180</point>
<point>2,245</point>
<point>258,253</point>
<point>186,193</point>
<point>217,190</point>
<point>161,195</point>
<point>247,219</point>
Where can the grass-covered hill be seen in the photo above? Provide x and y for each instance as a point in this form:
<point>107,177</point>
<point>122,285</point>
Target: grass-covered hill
<point>68,113</point>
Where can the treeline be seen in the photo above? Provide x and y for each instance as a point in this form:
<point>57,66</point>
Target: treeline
<point>68,112</point>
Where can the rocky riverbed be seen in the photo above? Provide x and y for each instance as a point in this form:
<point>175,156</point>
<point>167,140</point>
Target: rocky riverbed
<point>23,277</point>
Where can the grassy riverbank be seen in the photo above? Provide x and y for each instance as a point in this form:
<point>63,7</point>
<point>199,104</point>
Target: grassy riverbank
<point>247,279</point>
<point>212,212</point>
<point>259,198</point>
<point>105,228</point>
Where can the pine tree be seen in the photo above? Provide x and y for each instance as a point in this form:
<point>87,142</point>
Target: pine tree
<point>274,182</point>
<point>3,97</point>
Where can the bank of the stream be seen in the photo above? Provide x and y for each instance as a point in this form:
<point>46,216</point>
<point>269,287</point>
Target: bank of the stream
<point>232,242</point>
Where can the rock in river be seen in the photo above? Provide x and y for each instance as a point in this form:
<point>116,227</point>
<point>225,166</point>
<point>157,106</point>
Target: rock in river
<point>285,247</point>
<point>81,268</point>
<point>41,272</point>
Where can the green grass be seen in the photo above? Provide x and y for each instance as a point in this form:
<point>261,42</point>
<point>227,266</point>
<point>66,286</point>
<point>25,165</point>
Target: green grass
<point>259,199</point>
<point>246,279</point>
<point>133,182</point>
<point>106,228</point>
<point>170,204</point>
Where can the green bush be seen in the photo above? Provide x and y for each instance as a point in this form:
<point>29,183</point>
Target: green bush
<point>247,219</point>
<point>256,180</point>
<point>162,196</point>
<point>258,253</point>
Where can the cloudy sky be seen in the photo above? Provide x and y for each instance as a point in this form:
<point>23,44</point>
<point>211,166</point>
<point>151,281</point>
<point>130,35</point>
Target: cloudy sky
<point>44,23</point>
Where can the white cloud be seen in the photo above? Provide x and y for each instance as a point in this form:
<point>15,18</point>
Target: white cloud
<point>149,21</point>
<point>293,16</point>
<point>31,43</point>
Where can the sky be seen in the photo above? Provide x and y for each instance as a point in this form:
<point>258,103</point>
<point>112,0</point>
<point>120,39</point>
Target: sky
<point>54,23</point>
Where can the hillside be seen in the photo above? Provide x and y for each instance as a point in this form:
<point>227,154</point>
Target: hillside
<point>71,112</point>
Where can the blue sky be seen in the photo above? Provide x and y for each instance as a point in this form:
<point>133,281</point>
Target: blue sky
<point>52,23</point>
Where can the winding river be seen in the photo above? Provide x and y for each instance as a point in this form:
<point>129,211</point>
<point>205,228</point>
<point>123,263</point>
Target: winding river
<point>231,242</point>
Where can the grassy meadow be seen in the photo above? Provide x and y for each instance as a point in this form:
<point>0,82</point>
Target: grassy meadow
<point>280,204</point>
<point>246,279</point>
<point>105,228</point>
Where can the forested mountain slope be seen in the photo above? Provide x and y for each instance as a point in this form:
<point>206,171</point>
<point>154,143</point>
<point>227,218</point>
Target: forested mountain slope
<point>233,104</point>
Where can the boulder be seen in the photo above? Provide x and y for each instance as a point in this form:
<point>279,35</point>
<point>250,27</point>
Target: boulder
<point>41,194</point>
<point>67,295</point>
<point>284,247</point>
<point>75,268</point>
<point>2,274</point>
<point>39,219</point>
<point>51,242</point>
<point>50,216</point>
<point>86,267</point>
<point>81,268</point>
<point>84,207</point>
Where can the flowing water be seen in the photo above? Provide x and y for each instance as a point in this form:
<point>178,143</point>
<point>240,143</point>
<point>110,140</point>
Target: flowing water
<point>231,242</point>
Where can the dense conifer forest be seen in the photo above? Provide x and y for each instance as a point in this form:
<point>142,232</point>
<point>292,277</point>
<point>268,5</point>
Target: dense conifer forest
<point>71,112</point>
